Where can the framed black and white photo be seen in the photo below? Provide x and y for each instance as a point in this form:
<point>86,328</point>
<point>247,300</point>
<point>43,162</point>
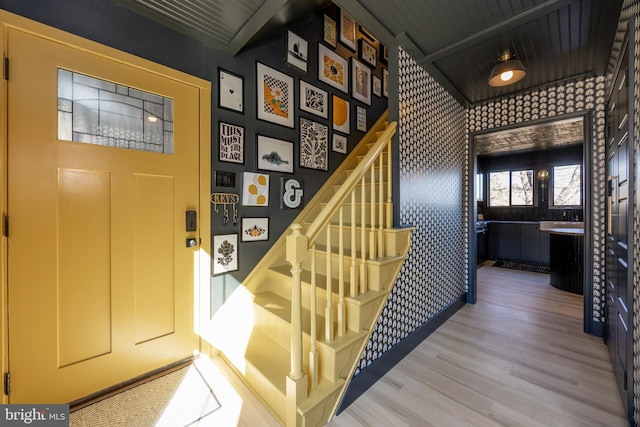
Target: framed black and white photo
<point>297,51</point>
<point>255,229</point>
<point>275,96</point>
<point>347,30</point>
<point>367,52</point>
<point>231,91</point>
<point>377,86</point>
<point>314,145</point>
<point>225,253</point>
<point>339,143</point>
<point>330,33</point>
<point>361,118</point>
<point>314,100</point>
<point>361,81</point>
<point>291,192</point>
<point>231,143</point>
<point>341,115</point>
<point>385,82</point>
<point>275,154</point>
<point>332,68</point>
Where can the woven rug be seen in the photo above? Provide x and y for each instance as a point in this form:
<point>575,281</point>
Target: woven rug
<point>522,267</point>
<point>181,398</point>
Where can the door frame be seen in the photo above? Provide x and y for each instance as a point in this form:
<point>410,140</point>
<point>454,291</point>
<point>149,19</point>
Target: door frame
<point>202,281</point>
<point>589,324</point>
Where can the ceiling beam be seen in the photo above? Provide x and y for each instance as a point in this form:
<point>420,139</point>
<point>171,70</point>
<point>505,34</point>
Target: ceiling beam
<point>504,26</point>
<point>258,20</point>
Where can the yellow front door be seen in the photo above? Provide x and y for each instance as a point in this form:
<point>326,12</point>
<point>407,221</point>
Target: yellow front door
<point>101,283</point>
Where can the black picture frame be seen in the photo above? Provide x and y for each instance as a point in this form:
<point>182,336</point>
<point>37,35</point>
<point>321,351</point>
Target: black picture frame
<point>228,151</point>
<point>367,52</point>
<point>230,91</point>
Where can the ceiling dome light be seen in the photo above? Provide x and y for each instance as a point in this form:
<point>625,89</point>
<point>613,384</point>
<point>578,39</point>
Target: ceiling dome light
<point>508,70</point>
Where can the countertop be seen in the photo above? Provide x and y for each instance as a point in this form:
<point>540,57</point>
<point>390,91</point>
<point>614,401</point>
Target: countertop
<point>566,231</point>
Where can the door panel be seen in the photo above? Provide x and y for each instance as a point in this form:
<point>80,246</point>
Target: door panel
<point>101,285</point>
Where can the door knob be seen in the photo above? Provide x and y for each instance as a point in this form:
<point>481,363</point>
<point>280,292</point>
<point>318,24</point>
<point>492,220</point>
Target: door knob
<point>192,242</point>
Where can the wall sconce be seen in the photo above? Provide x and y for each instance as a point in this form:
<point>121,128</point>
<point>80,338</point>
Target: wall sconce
<point>543,176</point>
<point>508,70</point>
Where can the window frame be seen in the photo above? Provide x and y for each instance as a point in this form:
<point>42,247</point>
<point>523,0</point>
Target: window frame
<point>552,179</point>
<point>510,171</point>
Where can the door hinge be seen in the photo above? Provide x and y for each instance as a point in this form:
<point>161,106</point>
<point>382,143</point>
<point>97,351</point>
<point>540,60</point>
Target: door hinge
<point>6,68</point>
<point>5,230</point>
<point>7,386</point>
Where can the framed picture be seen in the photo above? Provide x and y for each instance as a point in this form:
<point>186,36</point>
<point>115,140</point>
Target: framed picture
<point>231,143</point>
<point>275,154</point>
<point>339,143</point>
<point>347,30</point>
<point>384,54</point>
<point>361,118</point>
<point>329,31</point>
<point>297,51</point>
<point>366,33</point>
<point>385,82</point>
<point>377,86</point>
<point>333,69</point>
<point>361,81</point>
<point>225,253</point>
<point>341,117</point>
<point>367,52</point>
<point>275,96</point>
<point>255,229</point>
<point>314,100</point>
<point>292,192</point>
<point>255,189</point>
<point>231,91</point>
<point>314,145</point>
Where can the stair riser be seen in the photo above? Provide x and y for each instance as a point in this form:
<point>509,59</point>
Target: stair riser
<point>346,237</point>
<point>269,394</point>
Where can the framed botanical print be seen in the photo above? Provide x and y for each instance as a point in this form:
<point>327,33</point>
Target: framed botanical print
<point>361,81</point>
<point>275,154</point>
<point>333,69</point>
<point>361,119</point>
<point>314,100</point>
<point>314,145</point>
<point>275,96</point>
<point>231,143</point>
<point>225,253</point>
<point>330,33</point>
<point>377,86</point>
<point>341,119</point>
<point>367,52</point>
<point>347,30</point>
<point>255,229</point>
<point>297,51</point>
<point>339,143</point>
<point>231,91</point>
<point>255,189</point>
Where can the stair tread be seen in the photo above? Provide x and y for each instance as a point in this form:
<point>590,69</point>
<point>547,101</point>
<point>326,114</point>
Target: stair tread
<point>321,279</point>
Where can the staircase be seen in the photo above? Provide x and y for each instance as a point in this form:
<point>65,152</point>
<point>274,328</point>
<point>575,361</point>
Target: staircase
<point>315,297</point>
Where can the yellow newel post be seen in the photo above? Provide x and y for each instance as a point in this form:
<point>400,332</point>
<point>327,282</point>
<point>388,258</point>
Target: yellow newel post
<point>296,380</point>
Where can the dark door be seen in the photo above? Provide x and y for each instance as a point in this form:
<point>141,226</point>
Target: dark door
<point>619,301</point>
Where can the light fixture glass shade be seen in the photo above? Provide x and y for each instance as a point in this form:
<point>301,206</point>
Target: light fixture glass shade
<point>507,71</point>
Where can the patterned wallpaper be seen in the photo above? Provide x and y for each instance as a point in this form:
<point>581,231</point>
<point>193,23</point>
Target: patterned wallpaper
<point>433,192</point>
<point>570,97</point>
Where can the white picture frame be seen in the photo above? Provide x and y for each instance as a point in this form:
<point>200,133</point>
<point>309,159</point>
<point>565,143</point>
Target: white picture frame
<point>255,189</point>
<point>339,143</point>
<point>314,100</point>
<point>275,154</point>
<point>225,253</point>
<point>314,145</point>
<point>297,51</point>
<point>377,86</point>
<point>341,115</point>
<point>347,30</point>
<point>333,69</point>
<point>361,118</point>
<point>275,96</point>
<point>360,81</point>
<point>385,82</point>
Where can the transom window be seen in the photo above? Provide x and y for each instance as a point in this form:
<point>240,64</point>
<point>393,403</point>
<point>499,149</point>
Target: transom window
<point>511,188</point>
<point>96,111</point>
<point>567,185</point>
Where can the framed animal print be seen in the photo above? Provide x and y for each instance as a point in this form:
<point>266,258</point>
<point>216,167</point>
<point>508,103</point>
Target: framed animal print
<point>255,229</point>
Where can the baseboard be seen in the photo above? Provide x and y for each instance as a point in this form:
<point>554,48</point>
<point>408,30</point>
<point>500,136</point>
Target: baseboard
<point>376,370</point>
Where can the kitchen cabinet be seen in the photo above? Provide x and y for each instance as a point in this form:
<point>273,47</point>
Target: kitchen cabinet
<point>518,242</point>
<point>566,263</point>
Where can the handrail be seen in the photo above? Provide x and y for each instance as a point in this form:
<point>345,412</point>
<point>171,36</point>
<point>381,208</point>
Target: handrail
<point>350,183</point>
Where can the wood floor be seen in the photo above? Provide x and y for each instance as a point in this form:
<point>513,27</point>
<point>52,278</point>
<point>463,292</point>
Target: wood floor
<point>518,357</point>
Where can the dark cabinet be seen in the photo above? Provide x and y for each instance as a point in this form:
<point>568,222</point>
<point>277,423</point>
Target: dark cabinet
<point>518,242</point>
<point>530,243</point>
<point>566,263</point>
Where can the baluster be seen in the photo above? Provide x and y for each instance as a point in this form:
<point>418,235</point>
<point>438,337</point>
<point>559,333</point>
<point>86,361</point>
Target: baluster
<point>372,235</point>
<point>328,315</point>
<point>313,352</point>
<point>341,312</point>
<point>389,188</point>
<point>363,236</point>
<point>353,288</point>
<point>381,206</point>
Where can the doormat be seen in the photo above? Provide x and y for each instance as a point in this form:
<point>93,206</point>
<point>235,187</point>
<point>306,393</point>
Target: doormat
<point>180,398</point>
<point>522,267</point>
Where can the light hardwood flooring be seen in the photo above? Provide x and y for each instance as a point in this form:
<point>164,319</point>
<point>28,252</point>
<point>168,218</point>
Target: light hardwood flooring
<point>518,357</point>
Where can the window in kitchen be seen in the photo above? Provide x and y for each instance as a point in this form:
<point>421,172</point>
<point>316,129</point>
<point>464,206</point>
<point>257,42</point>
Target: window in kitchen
<point>511,188</point>
<point>567,185</point>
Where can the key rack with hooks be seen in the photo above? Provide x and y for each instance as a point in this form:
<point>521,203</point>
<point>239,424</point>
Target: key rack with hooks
<point>226,199</point>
